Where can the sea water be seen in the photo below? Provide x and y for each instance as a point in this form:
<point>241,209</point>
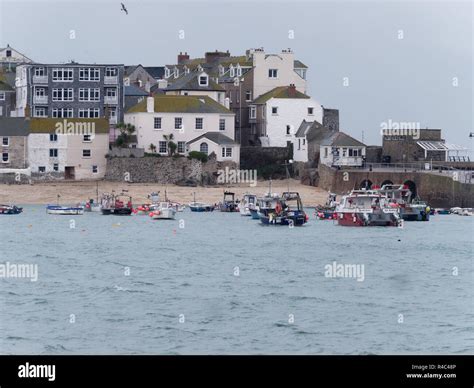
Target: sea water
<point>220,283</point>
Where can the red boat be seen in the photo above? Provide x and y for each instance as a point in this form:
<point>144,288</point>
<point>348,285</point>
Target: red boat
<point>367,208</point>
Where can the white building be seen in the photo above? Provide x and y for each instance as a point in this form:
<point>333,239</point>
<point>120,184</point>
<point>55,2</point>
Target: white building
<point>278,114</point>
<point>186,118</point>
<point>68,148</point>
<point>340,149</point>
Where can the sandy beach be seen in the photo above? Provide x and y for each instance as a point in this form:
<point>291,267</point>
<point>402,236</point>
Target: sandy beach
<point>75,192</point>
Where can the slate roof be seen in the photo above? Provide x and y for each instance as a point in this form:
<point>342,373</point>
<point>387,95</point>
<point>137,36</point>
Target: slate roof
<point>279,92</point>
<point>14,126</point>
<point>299,65</point>
<point>132,90</point>
<point>9,78</point>
<point>4,87</point>
<point>157,72</point>
<point>48,125</point>
<point>341,139</point>
<point>303,128</point>
<point>182,104</point>
<point>215,137</point>
<point>191,82</point>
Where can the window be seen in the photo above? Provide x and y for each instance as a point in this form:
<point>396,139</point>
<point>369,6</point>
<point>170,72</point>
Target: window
<point>253,112</point>
<point>299,144</point>
<point>288,129</point>
<point>226,152</point>
<point>178,122</point>
<point>40,71</point>
<point>53,137</point>
<point>110,92</point>
<point>199,122</point>
<point>95,169</point>
<point>167,73</point>
<point>248,95</point>
<point>230,96</point>
<point>221,124</point>
<point>1,110</point>
<point>89,74</point>
<point>63,94</point>
<point>181,147</point>
<point>86,153</point>
<point>157,123</point>
<point>86,138</point>
<point>55,167</point>
<point>344,152</point>
<point>63,75</point>
<point>2,96</point>
<point>203,80</point>
<point>232,72</point>
<point>40,92</point>
<point>274,110</point>
<point>89,94</point>
<point>5,157</point>
<point>9,53</point>
<point>42,169</point>
<point>5,141</point>
<point>272,73</point>
<point>204,148</point>
<point>111,71</point>
<point>40,112</point>
<point>53,152</point>
<point>239,71</point>
<point>163,147</point>
<point>325,152</point>
<point>91,113</point>
<point>310,110</point>
<point>62,112</point>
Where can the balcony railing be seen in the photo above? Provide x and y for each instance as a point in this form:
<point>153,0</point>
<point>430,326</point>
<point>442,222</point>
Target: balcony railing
<point>113,120</point>
<point>111,80</point>
<point>110,99</point>
<point>40,79</point>
<point>40,99</point>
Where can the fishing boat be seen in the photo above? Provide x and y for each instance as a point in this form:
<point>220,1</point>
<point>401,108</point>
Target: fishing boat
<point>288,211</point>
<point>229,204</point>
<point>200,206</point>
<point>410,209</point>
<point>163,211</point>
<point>467,212</point>
<point>65,210</point>
<point>249,201</point>
<point>118,205</point>
<point>367,208</point>
<point>10,209</point>
<point>145,208</point>
<point>455,210</point>
<point>265,205</point>
<point>327,211</point>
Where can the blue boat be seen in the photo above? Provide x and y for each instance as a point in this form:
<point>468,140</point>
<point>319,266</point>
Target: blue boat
<point>10,209</point>
<point>288,211</point>
<point>199,206</point>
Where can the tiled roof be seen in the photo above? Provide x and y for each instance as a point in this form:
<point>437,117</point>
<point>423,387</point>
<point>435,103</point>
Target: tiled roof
<point>182,104</point>
<point>191,82</point>
<point>14,126</point>
<point>340,139</point>
<point>279,92</point>
<point>215,137</point>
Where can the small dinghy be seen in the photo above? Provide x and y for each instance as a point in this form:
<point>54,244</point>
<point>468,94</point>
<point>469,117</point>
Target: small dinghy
<point>10,209</point>
<point>65,210</point>
<point>163,211</point>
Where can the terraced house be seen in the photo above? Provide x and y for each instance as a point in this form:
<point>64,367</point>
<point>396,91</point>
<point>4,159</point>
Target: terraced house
<point>70,90</point>
<point>244,78</point>
<point>195,123</point>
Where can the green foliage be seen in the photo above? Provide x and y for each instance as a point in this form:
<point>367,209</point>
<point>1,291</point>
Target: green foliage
<point>198,155</point>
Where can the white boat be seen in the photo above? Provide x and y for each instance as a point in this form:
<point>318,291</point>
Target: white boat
<point>163,211</point>
<point>467,212</point>
<point>65,210</point>
<point>249,201</point>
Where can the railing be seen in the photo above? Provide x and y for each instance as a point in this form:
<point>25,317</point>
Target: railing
<point>40,79</point>
<point>113,120</point>
<point>110,99</point>
<point>111,80</point>
<point>348,161</point>
<point>40,99</point>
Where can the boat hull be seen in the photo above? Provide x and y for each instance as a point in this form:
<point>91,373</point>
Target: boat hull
<point>65,211</point>
<point>9,210</point>
<point>254,214</point>
<point>201,209</point>
<point>123,211</point>
<point>367,219</point>
<point>296,219</point>
<point>163,214</point>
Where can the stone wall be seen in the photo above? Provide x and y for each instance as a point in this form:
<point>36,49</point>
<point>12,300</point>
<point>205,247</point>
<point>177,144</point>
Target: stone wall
<point>437,190</point>
<point>171,170</point>
<point>126,152</point>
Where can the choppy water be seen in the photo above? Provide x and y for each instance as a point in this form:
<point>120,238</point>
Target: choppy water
<point>190,271</point>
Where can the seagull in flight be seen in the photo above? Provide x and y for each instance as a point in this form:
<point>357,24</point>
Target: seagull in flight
<point>124,9</point>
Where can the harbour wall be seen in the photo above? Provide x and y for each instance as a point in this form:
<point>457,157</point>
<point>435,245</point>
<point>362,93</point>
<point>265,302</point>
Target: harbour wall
<point>436,190</point>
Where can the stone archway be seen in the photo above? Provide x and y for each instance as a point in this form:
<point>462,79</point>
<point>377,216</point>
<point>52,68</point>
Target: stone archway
<point>412,187</point>
<point>386,182</point>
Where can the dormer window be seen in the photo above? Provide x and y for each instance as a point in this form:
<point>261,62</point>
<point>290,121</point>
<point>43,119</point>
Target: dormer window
<point>232,71</point>
<point>167,73</point>
<point>203,80</point>
<point>186,70</point>
<point>221,70</point>
<point>239,71</point>
<point>200,68</point>
<point>176,72</point>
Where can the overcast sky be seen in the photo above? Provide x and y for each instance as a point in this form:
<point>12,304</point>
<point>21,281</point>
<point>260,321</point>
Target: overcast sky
<point>408,79</point>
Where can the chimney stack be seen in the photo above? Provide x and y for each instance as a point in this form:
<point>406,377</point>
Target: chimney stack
<point>182,57</point>
<point>292,90</point>
<point>150,104</point>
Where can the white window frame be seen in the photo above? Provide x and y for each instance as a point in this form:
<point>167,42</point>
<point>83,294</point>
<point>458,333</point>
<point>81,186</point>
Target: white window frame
<point>222,124</point>
<point>165,144</point>
<point>276,111</point>
<point>157,123</point>
<point>8,157</point>
<point>248,95</point>
<point>53,137</point>
<point>63,74</point>
<point>96,168</point>
<point>206,146</point>
<point>87,138</point>
<point>55,152</point>
<point>3,141</point>
<point>183,147</point>
<point>66,113</point>
<point>273,73</point>
<point>39,72</point>
<point>226,152</point>
<point>205,78</point>
<point>199,126</point>
<point>89,113</point>
<point>312,111</point>
<point>180,125</point>
<point>2,96</point>
<point>253,112</point>
<point>63,94</point>
<point>84,152</point>
<point>111,72</point>
<point>89,74</point>
<point>89,94</point>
